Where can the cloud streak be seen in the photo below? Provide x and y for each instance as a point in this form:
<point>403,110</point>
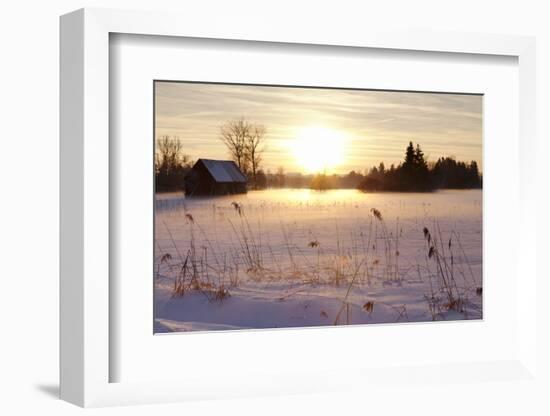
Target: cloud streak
<point>376,124</point>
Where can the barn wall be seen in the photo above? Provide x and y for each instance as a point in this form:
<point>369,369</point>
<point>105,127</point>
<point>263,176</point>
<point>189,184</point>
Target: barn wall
<point>199,182</point>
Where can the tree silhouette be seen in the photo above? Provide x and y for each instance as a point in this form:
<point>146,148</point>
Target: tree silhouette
<point>253,151</point>
<point>419,161</point>
<point>245,142</point>
<point>409,156</point>
<point>414,174</point>
<point>171,164</point>
<point>233,134</point>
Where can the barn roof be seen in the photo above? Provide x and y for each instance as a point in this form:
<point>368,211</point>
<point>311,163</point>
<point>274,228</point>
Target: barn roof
<point>224,171</point>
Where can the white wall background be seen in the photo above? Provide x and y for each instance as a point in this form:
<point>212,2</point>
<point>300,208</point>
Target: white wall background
<point>29,56</point>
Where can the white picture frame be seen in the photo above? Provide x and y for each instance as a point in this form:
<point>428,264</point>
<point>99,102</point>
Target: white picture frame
<point>85,211</point>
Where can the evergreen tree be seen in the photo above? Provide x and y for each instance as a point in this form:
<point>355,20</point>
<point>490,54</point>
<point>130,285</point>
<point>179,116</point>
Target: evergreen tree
<point>414,174</point>
<point>419,160</point>
<point>409,156</point>
<point>422,177</point>
<point>475,179</point>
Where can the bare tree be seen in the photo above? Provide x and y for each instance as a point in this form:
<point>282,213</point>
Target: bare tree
<point>169,153</point>
<point>245,142</point>
<point>171,164</point>
<point>254,147</point>
<point>233,134</point>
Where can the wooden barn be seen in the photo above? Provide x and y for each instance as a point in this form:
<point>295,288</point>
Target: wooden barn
<point>214,177</point>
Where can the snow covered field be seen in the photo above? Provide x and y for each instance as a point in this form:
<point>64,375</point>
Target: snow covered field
<point>294,258</point>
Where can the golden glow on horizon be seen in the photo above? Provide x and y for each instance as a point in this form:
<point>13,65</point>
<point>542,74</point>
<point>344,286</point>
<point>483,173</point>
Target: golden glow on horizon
<point>318,149</point>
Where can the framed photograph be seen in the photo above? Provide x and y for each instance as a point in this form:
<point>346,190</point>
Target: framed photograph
<point>288,217</point>
<point>275,208</point>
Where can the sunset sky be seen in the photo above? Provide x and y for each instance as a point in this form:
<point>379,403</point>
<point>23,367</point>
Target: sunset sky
<point>342,130</point>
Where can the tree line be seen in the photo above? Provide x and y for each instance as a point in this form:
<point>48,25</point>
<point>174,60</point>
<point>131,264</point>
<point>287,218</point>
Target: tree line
<point>245,143</point>
<point>416,175</point>
<point>171,164</point>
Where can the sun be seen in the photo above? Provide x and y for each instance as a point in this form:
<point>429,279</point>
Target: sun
<point>319,149</point>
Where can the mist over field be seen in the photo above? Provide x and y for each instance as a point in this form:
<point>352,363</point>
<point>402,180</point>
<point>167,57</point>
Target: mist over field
<point>287,258</point>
